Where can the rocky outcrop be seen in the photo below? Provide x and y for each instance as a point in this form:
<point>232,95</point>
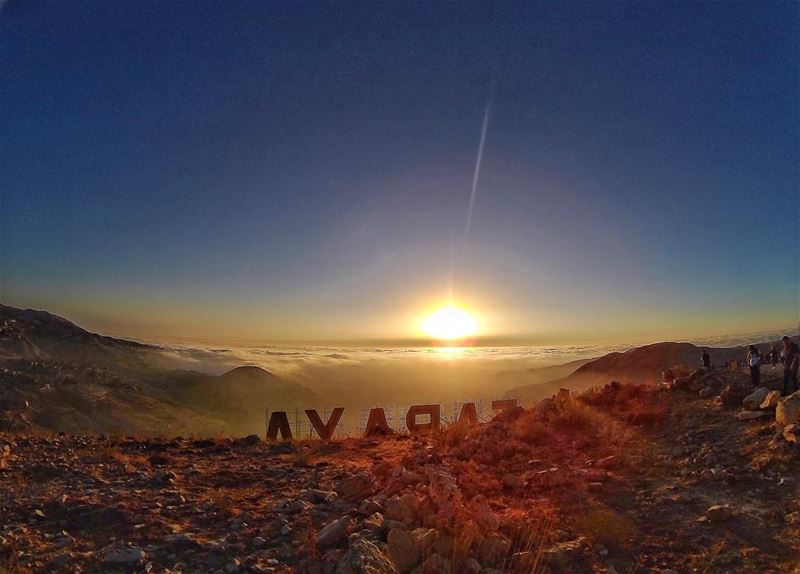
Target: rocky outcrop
<point>787,410</point>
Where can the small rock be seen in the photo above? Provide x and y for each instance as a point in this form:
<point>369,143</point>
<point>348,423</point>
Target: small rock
<point>333,533</point>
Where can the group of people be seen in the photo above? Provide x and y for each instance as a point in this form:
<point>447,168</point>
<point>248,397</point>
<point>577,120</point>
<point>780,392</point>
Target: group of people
<point>790,357</point>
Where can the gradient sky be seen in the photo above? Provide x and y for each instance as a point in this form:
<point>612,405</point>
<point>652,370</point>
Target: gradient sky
<point>261,171</point>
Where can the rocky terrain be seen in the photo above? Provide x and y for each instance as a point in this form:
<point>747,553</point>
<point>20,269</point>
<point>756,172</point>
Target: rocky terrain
<point>650,479</point>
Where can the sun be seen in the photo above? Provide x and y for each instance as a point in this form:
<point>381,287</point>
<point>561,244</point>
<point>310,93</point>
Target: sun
<point>449,323</point>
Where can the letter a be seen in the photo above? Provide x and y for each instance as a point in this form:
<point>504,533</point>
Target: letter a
<point>278,421</point>
<point>504,405</point>
<point>416,410</point>
<point>376,423</point>
<point>468,416</point>
<point>325,431</point>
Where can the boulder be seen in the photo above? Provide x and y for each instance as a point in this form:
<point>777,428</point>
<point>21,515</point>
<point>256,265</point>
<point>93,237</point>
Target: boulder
<point>787,410</point>
<point>333,533</point>
<point>364,557</point>
<point>771,400</point>
<point>752,402</point>
<point>402,549</point>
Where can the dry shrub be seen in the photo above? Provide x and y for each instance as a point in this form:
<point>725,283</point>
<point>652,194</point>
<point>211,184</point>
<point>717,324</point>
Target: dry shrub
<point>529,532</point>
<point>451,435</point>
<point>308,547</point>
<point>569,421</point>
<point>637,405</point>
<point>604,526</point>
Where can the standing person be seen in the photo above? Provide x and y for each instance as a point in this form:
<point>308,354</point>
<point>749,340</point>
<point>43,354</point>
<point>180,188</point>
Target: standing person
<point>754,360</point>
<point>774,356</point>
<point>706,360</point>
<point>791,357</point>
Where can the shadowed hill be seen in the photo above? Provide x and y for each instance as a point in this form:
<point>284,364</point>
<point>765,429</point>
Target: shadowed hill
<point>38,335</point>
<point>58,376</point>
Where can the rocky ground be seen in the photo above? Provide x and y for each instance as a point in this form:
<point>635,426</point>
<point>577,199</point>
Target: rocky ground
<point>620,479</point>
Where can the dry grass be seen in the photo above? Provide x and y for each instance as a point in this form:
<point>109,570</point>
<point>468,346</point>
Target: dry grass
<point>9,558</point>
<point>573,422</point>
<point>636,405</point>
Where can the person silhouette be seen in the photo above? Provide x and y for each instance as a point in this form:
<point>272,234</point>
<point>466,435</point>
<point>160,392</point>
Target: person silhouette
<point>754,362</point>
<point>791,358</point>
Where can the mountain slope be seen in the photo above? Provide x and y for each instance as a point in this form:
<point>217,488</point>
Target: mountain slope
<point>638,365</point>
<point>58,376</point>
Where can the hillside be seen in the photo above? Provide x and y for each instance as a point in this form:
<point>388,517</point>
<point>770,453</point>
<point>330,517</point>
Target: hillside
<point>57,376</point>
<point>622,479</point>
<point>638,365</point>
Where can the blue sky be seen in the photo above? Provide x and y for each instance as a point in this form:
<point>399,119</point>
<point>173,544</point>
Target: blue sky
<point>290,171</point>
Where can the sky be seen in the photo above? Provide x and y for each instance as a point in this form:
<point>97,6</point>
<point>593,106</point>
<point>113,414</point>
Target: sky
<point>267,171</point>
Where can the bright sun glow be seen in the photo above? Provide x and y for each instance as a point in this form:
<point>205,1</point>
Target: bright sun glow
<point>450,323</point>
